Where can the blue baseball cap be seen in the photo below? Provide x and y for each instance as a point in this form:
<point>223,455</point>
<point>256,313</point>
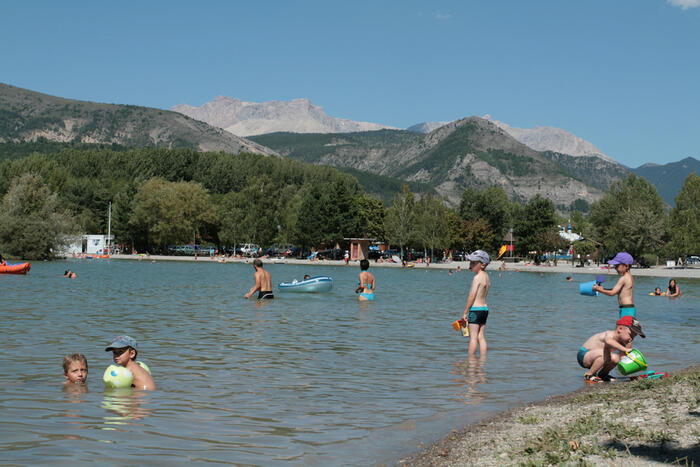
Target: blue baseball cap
<point>479,255</point>
<point>120,342</point>
<point>622,258</point>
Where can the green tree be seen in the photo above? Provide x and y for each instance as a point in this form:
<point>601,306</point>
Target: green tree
<point>431,223</point>
<point>370,214</point>
<point>400,217</point>
<point>171,212</point>
<point>490,204</point>
<point>535,221</point>
<point>34,225</point>
<point>683,222</point>
<point>231,211</point>
<point>583,248</point>
<point>630,217</point>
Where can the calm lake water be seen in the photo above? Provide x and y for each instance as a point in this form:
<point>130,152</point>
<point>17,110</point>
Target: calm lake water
<point>301,380</point>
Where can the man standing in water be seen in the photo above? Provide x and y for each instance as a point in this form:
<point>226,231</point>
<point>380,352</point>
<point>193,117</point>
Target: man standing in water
<point>476,311</point>
<point>263,283</point>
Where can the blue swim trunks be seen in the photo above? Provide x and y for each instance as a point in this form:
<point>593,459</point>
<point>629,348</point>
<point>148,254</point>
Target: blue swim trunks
<point>478,314</point>
<point>628,310</point>
<point>579,356</point>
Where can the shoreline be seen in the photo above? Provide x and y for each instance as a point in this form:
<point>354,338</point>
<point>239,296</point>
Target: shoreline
<point>561,268</point>
<point>644,422</point>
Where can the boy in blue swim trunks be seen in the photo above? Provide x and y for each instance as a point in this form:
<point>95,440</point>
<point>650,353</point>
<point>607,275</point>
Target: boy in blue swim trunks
<point>601,352</point>
<point>476,312</point>
<point>624,289</point>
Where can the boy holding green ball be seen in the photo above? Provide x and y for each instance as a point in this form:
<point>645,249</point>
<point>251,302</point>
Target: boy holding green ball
<point>124,350</point>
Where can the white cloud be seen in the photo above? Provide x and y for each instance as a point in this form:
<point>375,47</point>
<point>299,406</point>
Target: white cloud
<point>443,16</point>
<point>685,4</point>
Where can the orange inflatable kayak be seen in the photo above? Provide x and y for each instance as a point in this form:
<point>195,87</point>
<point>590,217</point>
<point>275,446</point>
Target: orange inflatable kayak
<point>21,268</point>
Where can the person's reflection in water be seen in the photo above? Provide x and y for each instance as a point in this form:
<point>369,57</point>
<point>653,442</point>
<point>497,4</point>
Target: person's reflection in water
<point>74,394</point>
<point>468,375</point>
<point>126,404</point>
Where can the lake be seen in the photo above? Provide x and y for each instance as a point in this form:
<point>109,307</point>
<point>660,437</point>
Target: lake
<point>299,380</point>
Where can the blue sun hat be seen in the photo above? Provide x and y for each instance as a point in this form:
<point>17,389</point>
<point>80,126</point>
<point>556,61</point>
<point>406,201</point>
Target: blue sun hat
<point>120,342</point>
<point>622,258</point>
<point>479,255</point>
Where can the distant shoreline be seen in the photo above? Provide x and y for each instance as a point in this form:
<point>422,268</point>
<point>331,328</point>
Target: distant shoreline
<point>561,268</point>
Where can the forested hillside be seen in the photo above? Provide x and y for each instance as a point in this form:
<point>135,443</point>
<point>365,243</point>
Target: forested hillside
<point>28,116</point>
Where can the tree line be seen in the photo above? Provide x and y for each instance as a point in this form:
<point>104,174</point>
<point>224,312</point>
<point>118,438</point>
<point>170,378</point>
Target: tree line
<point>163,197</point>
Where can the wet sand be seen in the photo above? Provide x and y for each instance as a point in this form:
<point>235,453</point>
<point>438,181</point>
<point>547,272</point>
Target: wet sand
<point>561,268</point>
<point>644,422</point>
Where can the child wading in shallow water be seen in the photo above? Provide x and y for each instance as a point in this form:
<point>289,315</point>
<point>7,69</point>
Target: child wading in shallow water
<point>624,289</point>
<point>476,312</point>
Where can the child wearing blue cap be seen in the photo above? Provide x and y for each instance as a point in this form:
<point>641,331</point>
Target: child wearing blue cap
<point>476,311</point>
<point>124,350</point>
<point>624,289</point>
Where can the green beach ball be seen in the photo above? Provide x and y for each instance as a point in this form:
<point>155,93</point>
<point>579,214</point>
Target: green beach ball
<point>144,366</point>
<point>117,377</point>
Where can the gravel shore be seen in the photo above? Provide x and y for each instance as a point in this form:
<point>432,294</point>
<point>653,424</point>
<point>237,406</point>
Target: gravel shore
<point>561,268</point>
<point>643,422</point>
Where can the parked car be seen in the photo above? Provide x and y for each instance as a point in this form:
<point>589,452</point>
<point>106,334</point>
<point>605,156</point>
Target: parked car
<point>692,260</point>
<point>249,249</point>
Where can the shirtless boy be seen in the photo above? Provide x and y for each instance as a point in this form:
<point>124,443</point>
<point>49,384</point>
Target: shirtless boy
<point>601,352</point>
<point>263,282</point>
<point>476,312</point>
<point>75,368</point>
<point>124,350</point>
<point>624,289</point>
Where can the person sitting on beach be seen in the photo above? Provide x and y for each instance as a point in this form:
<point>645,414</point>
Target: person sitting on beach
<point>366,282</point>
<point>124,351</point>
<point>75,368</point>
<point>673,290</point>
<point>476,311</point>
<point>601,352</point>
<point>624,289</point>
<point>263,282</point>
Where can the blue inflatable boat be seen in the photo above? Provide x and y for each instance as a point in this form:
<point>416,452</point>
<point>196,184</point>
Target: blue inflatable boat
<point>313,284</point>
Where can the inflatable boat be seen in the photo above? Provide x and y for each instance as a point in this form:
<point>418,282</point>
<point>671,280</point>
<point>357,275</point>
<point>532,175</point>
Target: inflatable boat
<point>21,268</point>
<point>313,284</point>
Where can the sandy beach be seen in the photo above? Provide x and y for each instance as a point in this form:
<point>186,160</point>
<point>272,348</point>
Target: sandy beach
<point>644,422</point>
<point>561,267</point>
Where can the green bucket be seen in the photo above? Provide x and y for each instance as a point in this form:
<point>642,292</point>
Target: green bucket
<point>632,362</point>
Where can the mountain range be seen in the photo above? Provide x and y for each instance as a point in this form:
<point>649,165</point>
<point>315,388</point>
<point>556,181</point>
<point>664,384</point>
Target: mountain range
<point>471,152</point>
<point>254,118</point>
<point>438,156</point>
<point>28,116</point>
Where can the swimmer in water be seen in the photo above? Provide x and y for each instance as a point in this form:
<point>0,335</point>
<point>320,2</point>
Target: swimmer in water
<point>75,368</point>
<point>367,284</point>
<point>124,351</point>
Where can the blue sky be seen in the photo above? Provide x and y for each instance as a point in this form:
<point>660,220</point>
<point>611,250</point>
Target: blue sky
<point>624,75</point>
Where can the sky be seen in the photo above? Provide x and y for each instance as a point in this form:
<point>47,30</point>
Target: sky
<point>624,75</point>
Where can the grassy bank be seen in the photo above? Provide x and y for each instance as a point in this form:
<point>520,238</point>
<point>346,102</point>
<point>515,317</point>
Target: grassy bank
<point>643,422</point>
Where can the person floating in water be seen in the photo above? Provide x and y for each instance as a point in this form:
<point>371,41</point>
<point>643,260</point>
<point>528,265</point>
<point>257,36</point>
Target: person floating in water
<point>601,352</point>
<point>673,290</point>
<point>476,311</point>
<point>366,282</point>
<point>263,282</point>
<point>624,289</point>
<point>69,274</point>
